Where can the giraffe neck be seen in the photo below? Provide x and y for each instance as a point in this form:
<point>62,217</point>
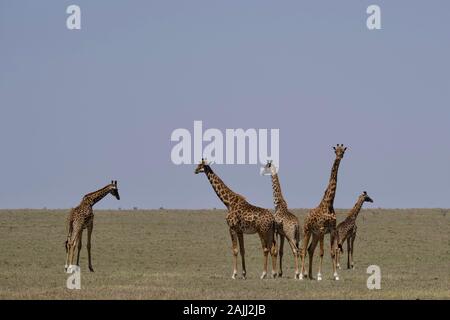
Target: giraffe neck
<point>225,194</point>
<point>278,199</point>
<point>356,208</point>
<point>328,198</point>
<point>94,197</point>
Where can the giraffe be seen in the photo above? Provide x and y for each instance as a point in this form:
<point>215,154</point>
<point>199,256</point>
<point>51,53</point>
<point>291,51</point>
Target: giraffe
<point>243,218</point>
<point>82,217</point>
<point>286,224</point>
<point>322,220</point>
<point>346,230</point>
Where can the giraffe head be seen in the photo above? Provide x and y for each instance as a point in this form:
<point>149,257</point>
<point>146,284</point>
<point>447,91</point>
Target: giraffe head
<point>114,190</point>
<point>201,166</point>
<point>269,168</point>
<point>365,197</point>
<point>339,150</point>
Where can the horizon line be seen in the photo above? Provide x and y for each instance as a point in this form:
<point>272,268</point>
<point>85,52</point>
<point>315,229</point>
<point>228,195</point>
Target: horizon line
<point>218,209</point>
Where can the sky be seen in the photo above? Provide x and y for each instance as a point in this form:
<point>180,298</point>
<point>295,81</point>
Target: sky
<point>79,108</point>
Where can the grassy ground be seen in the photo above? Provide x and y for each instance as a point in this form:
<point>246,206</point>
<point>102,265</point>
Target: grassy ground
<point>168,254</point>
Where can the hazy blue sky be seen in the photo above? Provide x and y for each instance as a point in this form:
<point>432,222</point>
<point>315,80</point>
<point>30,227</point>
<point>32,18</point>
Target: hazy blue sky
<point>79,108</point>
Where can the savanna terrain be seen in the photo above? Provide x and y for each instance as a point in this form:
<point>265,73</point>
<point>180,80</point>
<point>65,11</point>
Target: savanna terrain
<point>186,254</point>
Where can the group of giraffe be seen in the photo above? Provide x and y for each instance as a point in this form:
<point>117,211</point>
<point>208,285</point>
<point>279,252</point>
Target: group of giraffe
<point>245,218</point>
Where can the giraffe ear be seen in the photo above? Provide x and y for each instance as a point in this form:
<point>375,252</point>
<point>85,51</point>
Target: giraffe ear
<point>345,148</point>
<point>334,148</point>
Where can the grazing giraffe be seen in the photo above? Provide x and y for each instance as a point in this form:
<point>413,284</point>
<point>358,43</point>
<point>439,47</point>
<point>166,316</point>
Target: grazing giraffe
<point>322,220</point>
<point>346,230</point>
<point>243,218</point>
<point>82,217</point>
<point>286,224</point>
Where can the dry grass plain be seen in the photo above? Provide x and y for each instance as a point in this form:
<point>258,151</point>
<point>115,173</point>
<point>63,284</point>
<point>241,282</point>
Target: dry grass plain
<point>182,254</point>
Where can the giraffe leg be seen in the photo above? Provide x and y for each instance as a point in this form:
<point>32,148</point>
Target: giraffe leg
<point>67,257</point>
<point>352,265</point>
<point>88,245</point>
<point>338,256</point>
<point>234,243</point>
<point>333,250</point>
<point>295,253</point>
<point>272,244</point>
<point>311,249</point>
<point>69,236</point>
<point>348,252</point>
<point>280,252</point>
<point>71,247</point>
<point>242,251</point>
<point>319,274</point>
<point>266,250</point>
<point>79,247</point>
<point>306,238</point>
